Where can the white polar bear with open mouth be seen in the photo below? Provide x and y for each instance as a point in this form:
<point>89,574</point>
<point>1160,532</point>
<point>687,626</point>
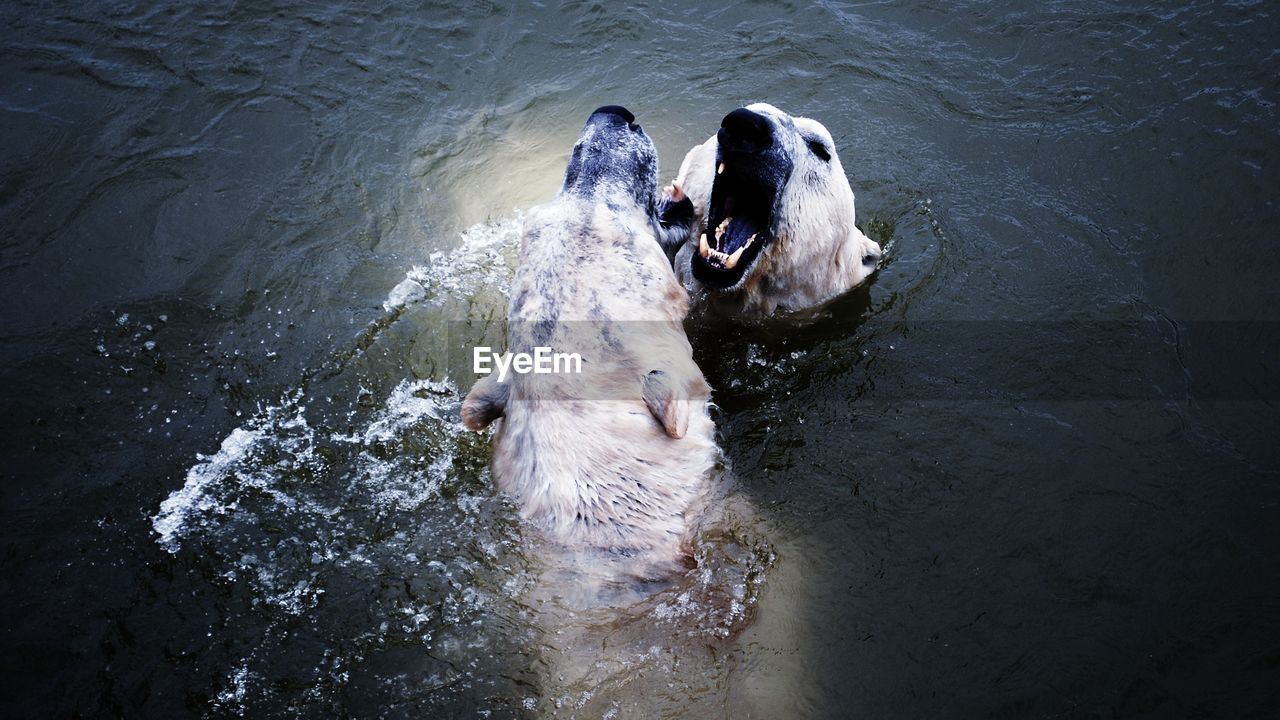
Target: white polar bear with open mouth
<point>772,214</point>
<point>617,458</point>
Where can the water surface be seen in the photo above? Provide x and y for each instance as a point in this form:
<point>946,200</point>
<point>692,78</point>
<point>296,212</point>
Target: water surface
<point>1025,472</point>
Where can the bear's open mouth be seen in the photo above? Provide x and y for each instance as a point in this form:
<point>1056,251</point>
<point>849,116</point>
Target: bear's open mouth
<point>738,228</point>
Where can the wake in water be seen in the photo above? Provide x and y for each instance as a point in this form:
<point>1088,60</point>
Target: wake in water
<point>365,562</point>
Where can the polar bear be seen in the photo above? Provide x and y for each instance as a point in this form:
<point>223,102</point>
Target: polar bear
<point>619,457</point>
<point>772,216</point>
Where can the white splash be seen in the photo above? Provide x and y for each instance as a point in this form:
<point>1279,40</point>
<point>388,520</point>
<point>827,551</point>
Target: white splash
<point>407,292</point>
<point>482,262</point>
<point>484,259</point>
<point>410,403</point>
<point>425,406</point>
<point>233,696</point>
<point>194,496</point>
<point>199,496</point>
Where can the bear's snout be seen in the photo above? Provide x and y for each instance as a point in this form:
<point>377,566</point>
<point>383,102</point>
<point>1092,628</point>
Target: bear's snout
<point>618,110</point>
<point>616,116</point>
<point>746,132</point>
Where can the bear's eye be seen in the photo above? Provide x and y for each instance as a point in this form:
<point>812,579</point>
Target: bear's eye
<point>817,148</point>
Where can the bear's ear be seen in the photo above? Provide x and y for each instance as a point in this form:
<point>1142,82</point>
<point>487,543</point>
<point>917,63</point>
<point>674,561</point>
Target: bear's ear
<point>667,403</point>
<point>674,213</point>
<point>486,402</point>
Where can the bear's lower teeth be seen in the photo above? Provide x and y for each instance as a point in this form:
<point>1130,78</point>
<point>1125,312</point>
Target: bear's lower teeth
<point>732,260</point>
<point>728,262</point>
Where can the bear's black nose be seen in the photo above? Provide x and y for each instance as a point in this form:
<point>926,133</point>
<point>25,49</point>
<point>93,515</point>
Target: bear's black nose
<point>745,131</point>
<point>618,110</point>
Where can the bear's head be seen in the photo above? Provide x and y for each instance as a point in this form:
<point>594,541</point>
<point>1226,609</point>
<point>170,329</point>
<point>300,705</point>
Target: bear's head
<point>613,159</point>
<point>777,210</point>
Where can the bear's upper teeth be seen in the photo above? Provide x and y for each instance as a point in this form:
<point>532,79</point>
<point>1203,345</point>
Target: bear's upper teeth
<point>722,227</point>
<point>720,169</point>
<point>703,248</point>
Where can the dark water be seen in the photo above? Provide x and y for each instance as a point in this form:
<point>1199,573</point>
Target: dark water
<point>1030,471</point>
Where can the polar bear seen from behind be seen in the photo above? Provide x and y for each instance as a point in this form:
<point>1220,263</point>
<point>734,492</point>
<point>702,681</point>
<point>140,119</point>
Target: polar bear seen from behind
<point>618,458</point>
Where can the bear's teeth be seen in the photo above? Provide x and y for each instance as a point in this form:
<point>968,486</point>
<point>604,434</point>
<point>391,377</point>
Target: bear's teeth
<point>724,225</point>
<point>720,170</point>
<point>733,259</point>
<point>703,248</point>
